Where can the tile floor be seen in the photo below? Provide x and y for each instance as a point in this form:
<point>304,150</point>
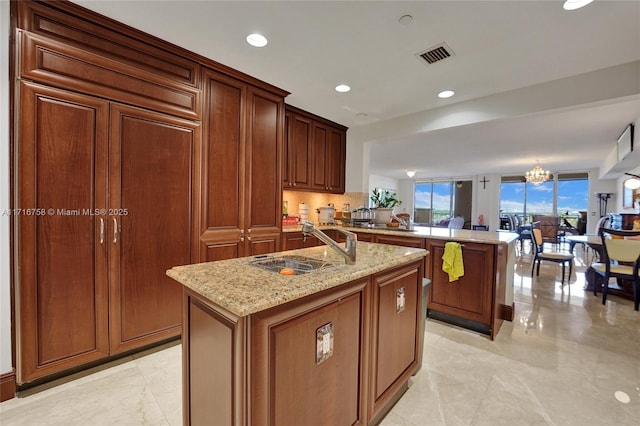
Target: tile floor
<point>565,360</point>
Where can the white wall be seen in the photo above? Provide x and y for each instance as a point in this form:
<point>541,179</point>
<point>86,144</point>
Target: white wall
<point>5,296</point>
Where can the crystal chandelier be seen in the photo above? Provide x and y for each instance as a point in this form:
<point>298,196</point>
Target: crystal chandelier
<point>537,176</point>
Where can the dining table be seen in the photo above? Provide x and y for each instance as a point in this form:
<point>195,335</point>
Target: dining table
<point>622,288</point>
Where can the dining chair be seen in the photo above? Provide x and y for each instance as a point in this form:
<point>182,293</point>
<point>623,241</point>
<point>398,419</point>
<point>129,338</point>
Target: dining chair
<point>549,226</point>
<point>556,257</point>
<point>456,222</point>
<point>621,259</point>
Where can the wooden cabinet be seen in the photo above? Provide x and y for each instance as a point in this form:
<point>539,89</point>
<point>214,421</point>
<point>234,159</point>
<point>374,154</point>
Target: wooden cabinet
<point>297,169</point>
<point>285,361</point>
<point>296,240</point>
<point>108,137</point>
<point>108,181</point>
<point>342,356</point>
<point>241,189</point>
<point>151,164</point>
<point>394,341</point>
<point>315,153</point>
<point>470,300</point>
<point>396,240</point>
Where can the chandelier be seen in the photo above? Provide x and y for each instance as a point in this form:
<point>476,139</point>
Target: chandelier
<point>537,176</point>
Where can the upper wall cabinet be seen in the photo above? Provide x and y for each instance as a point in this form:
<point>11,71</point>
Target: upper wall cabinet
<point>315,153</point>
<point>64,51</point>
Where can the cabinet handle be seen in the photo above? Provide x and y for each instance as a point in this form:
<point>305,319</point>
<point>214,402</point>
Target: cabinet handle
<point>115,230</point>
<point>248,238</point>
<point>101,231</point>
<point>242,239</point>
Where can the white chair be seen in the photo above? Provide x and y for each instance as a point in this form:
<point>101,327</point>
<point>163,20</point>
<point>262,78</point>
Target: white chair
<point>456,222</point>
<point>621,260</point>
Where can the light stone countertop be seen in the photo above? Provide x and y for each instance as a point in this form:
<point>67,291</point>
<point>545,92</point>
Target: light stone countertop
<point>243,289</point>
<point>460,235</point>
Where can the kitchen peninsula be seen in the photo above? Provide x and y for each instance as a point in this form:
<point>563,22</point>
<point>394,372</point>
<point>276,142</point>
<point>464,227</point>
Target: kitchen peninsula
<point>336,345</point>
<point>481,299</point>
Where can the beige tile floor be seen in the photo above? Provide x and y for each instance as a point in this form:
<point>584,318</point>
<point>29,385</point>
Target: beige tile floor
<point>565,360</point>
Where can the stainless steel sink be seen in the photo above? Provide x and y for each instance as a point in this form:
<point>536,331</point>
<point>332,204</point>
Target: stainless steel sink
<point>299,264</point>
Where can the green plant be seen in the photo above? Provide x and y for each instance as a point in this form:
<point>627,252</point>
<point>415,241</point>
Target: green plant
<point>384,199</point>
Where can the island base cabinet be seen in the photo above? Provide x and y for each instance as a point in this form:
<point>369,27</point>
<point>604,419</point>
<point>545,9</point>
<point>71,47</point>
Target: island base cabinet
<point>340,357</point>
<point>468,301</point>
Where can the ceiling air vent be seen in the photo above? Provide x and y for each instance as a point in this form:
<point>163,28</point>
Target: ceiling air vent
<point>436,53</point>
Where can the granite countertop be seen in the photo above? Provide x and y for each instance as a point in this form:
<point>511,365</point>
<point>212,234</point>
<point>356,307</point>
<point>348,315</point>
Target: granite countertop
<point>243,289</point>
<point>462,235</point>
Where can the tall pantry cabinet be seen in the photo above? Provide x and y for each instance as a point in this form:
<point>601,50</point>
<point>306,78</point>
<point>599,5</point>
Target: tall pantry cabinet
<point>123,170</point>
<point>242,197</point>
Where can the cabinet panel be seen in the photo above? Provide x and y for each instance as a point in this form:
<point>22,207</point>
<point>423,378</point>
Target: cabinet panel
<point>470,297</point>
<point>299,151</point>
<point>319,159</point>
<point>62,157</point>
<point>284,354</point>
<point>223,189</point>
<point>336,160</point>
<point>394,346</point>
<point>400,241</point>
<point>63,65</point>
<point>263,162</point>
<point>296,240</point>
<point>105,40</point>
<point>151,157</point>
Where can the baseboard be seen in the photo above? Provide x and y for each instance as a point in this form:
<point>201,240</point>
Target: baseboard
<point>507,312</point>
<point>7,386</point>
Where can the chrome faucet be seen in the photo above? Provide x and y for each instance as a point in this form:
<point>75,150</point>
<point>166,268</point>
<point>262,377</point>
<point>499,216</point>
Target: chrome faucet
<point>349,252</point>
<point>404,222</point>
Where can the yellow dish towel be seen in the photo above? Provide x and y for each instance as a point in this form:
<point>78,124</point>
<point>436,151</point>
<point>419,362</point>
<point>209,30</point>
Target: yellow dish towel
<point>452,261</point>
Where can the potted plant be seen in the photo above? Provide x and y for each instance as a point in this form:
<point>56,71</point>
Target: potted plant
<point>383,202</point>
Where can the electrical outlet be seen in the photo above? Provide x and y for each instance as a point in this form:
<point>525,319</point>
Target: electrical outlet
<point>400,300</point>
<point>324,342</point>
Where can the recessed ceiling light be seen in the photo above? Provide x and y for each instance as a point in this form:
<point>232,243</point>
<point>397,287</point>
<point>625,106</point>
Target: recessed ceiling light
<point>257,40</point>
<point>411,173</point>
<point>446,94</point>
<point>575,4</point>
<point>342,88</point>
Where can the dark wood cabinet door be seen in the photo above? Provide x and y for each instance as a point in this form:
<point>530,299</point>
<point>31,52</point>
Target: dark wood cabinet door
<point>262,165</point>
<point>296,240</point>
<point>223,184</point>
<point>299,152</point>
<point>61,170</point>
<point>285,361</point>
<point>336,159</point>
<point>287,181</point>
<point>150,226</point>
<point>318,159</point>
<point>396,303</point>
<point>470,297</point>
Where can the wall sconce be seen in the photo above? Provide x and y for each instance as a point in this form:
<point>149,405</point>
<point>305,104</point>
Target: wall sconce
<point>411,173</point>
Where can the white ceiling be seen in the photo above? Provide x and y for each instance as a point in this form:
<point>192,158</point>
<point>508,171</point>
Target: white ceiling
<point>499,46</point>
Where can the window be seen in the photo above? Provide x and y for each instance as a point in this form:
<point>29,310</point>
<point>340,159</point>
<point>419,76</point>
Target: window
<point>567,195</point>
<point>441,200</point>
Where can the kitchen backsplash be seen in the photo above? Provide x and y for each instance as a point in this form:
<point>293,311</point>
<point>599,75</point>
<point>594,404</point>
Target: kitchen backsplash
<point>317,199</point>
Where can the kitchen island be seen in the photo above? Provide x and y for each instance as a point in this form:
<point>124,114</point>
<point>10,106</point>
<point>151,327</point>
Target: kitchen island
<point>336,345</point>
<point>482,299</point>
